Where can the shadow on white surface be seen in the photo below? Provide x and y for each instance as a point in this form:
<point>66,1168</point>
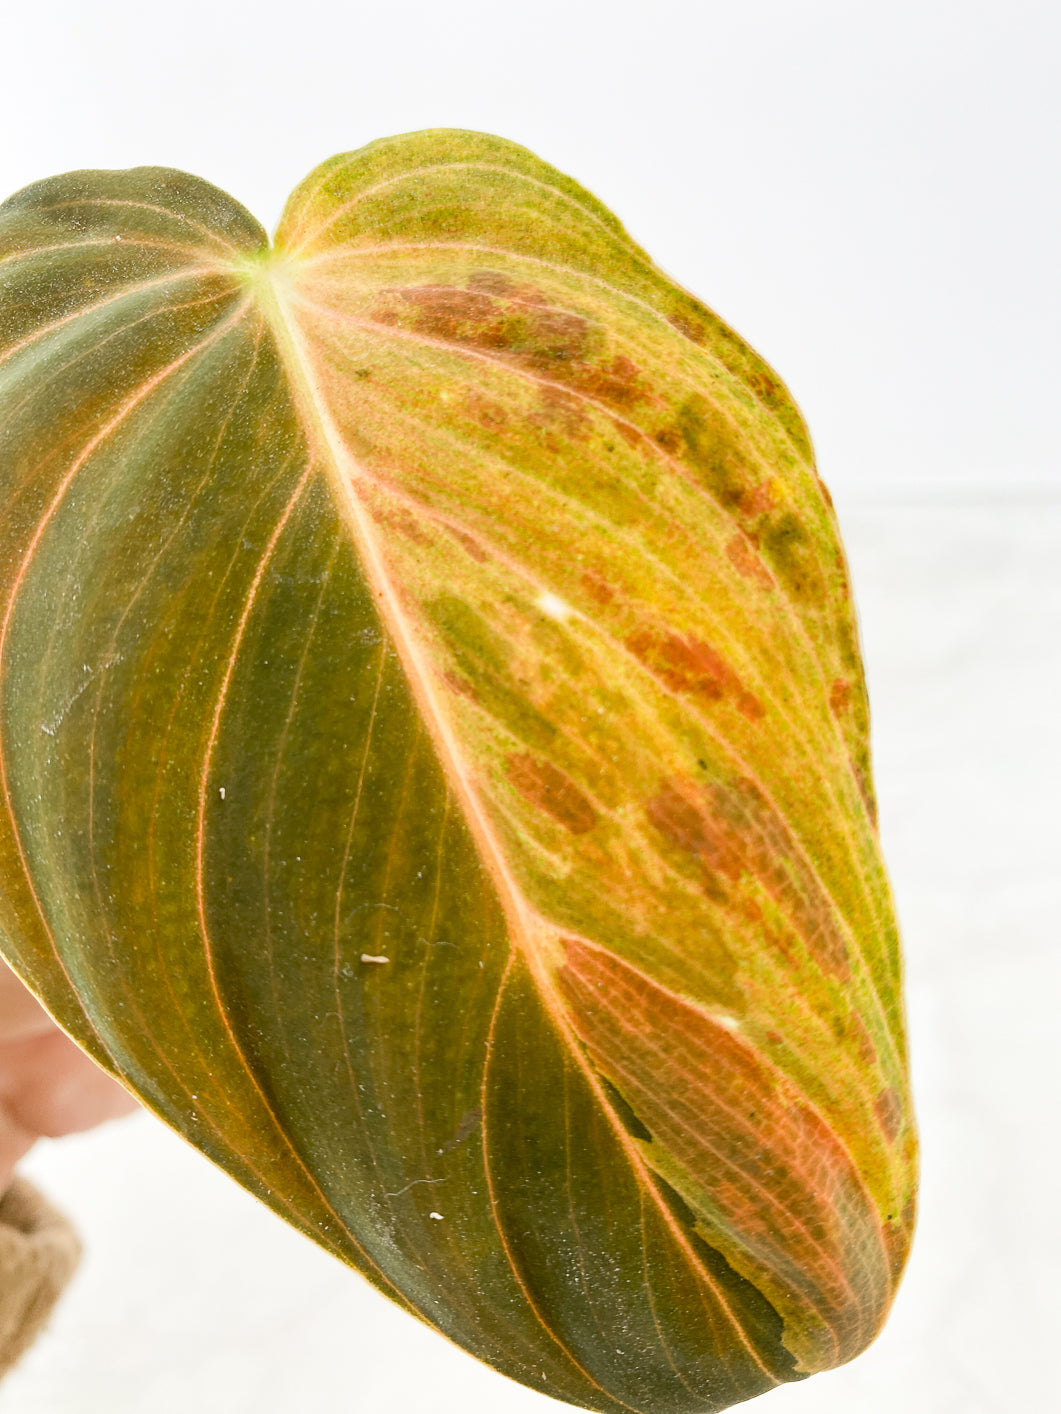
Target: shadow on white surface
<point>193,1296</point>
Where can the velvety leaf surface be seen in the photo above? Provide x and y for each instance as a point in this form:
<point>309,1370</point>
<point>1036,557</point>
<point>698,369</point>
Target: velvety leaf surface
<point>435,759</point>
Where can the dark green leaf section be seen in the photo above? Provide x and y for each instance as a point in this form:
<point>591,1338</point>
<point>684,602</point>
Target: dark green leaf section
<point>88,316</point>
<point>220,806</point>
<point>132,535</point>
<point>624,1277</point>
<point>502,1204</point>
<point>337,838</point>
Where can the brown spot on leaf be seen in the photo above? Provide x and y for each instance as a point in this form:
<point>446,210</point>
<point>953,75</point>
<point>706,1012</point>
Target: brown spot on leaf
<point>773,855</point>
<point>470,544</point>
<point>744,558</point>
<point>441,311</point>
<point>485,411</point>
<point>889,1108</point>
<point>864,781</point>
<point>840,695</point>
<point>862,1041</point>
<point>598,589</point>
<point>562,411</point>
<point>758,501</point>
<point>689,327</point>
<point>762,384</point>
<point>733,830</point>
<point>630,435</point>
<point>495,315</point>
<point>402,523</point>
<point>617,383</point>
<point>551,790</point>
<point>751,911</point>
<point>684,664</point>
<point>683,820</point>
<point>553,335</point>
<point>782,1191</point>
<point>534,334</point>
<point>670,439</point>
<point>687,664</point>
<point>460,685</point>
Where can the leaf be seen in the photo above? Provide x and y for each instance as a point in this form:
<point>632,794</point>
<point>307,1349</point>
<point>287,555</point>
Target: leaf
<point>434,767</point>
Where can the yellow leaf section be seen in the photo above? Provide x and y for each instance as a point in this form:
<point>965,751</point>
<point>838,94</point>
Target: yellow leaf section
<point>594,528</point>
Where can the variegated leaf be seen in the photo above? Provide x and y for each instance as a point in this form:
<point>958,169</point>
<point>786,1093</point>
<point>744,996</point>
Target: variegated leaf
<point>434,767</point>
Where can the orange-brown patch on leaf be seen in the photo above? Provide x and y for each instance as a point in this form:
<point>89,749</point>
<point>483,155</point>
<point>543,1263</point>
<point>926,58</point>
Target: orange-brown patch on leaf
<point>689,327</point>
<point>744,558</point>
<point>551,790</point>
<point>534,334</point>
<point>460,685</point>
<point>598,589</point>
<point>630,434</point>
<point>762,384</point>
<point>617,383</point>
<point>485,411</point>
<point>889,1108</point>
<point>863,1041</point>
<point>751,911</point>
<point>470,544</point>
<point>757,501</point>
<point>552,336</point>
<point>749,706</point>
<point>771,853</point>
<point>860,771</point>
<point>401,523</point>
<point>840,695</point>
<point>680,815</point>
<point>442,312</point>
<point>562,411</point>
<point>734,831</point>
<point>766,1172</point>
<point>687,664</point>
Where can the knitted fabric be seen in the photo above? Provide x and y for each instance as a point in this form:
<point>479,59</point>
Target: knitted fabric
<point>39,1251</point>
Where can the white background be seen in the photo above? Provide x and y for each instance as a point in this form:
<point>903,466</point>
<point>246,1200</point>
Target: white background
<point>870,194</point>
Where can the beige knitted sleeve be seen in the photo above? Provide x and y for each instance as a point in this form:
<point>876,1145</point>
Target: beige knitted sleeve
<point>39,1251</point>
